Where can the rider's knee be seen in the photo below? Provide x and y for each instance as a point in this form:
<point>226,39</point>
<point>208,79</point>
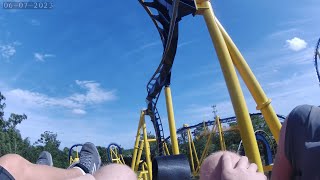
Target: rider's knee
<point>12,162</point>
<point>115,171</point>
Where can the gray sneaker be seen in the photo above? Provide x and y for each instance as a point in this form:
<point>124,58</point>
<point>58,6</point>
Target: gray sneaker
<point>89,158</point>
<point>45,158</point>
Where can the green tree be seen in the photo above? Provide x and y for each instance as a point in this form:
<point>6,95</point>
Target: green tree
<point>10,137</point>
<point>49,142</point>
<point>103,154</point>
<point>11,140</point>
<point>2,106</point>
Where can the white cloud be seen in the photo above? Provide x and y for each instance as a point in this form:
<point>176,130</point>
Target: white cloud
<point>185,43</point>
<point>16,43</point>
<point>198,113</point>
<point>304,56</point>
<point>35,99</point>
<point>282,33</point>
<point>297,22</point>
<point>76,102</point>
<point>94,93</point>
<point>142,48</point>
<point>34,22</point>
<point>7,51</point>
<point>296,44</point>
<point>79,111</point>
<point>44,114</point>
<point>42,57</point>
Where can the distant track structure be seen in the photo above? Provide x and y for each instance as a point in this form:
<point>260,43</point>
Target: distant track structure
<point>316,59</point>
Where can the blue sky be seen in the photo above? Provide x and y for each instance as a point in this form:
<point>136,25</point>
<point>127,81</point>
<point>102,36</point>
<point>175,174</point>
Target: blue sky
<point>81,69</point>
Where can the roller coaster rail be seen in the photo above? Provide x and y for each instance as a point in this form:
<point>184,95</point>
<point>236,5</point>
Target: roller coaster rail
<point>223,120</point>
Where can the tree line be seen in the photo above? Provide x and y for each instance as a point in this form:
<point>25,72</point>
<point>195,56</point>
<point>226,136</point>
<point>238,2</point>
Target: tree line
<point>11,141</point>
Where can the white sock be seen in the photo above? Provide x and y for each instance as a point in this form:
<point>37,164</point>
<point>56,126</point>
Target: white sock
<point>83,173</point>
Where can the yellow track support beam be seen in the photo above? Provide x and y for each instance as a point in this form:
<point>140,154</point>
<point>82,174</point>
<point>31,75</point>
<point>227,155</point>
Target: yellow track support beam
<point>138,149</point>
<point>231,79</point>
<point>206,147</point>
<point>147,149</point>
<point>191,156</point>
<point>152,140</point>
<point>172,124</point>
<point>122,160</point>
<point>192,152</point>
<point>166,150</point>
<point>136,144</point>
<point>194,148</point>
<point>144,174</point>
<point>190,149</point>
<point>139,156</point>
<point>268,168</point>
<point>263,103</point>
<point>221,136</point>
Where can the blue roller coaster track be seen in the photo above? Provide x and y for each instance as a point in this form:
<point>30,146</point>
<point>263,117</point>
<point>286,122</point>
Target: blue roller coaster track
<point>224,120</point>
<point>169,13</point>
<point>316,59</point>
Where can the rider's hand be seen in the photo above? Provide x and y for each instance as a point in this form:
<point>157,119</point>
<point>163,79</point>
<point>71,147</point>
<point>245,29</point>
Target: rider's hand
<point>243,170</point>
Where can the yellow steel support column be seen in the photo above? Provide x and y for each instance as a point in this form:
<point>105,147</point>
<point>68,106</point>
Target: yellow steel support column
<point>166,150</point>
<point>263,103</point>
<point>144,174</point>
<point>190,150</point>
<point>194,150</point>
<point>122,160</point>
<point>221,136</point>
<point>236,95</point>
<point>139,156</point>
<point>147,149</point>
<point>206,147</point>
<point>172,123</point>
<point>191,158</point>
<point>115,153</point>
<point>136,144</point>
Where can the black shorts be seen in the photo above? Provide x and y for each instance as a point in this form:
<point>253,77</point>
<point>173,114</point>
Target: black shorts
<point>5,175</point>
<point>302,142</point>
